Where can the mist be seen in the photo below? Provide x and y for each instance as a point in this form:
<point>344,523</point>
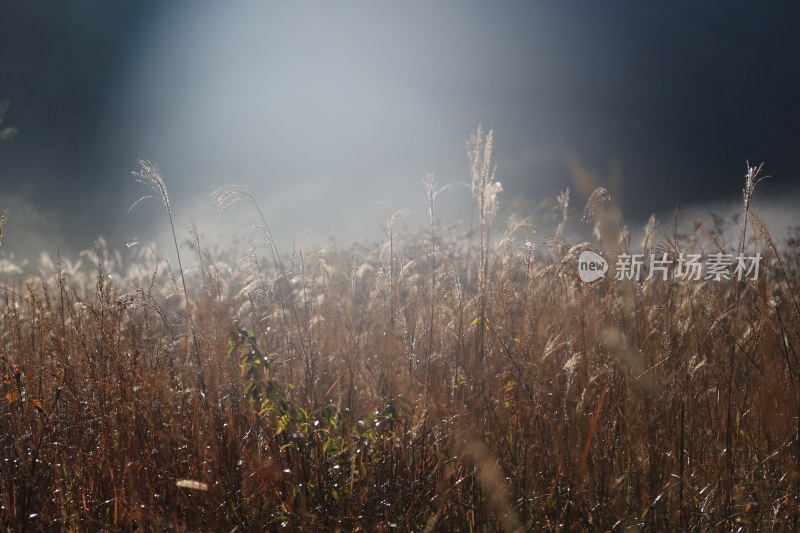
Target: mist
<point>327,114</point>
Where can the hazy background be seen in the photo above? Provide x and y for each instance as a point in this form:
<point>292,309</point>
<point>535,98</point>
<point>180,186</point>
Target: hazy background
<point>322,109</point>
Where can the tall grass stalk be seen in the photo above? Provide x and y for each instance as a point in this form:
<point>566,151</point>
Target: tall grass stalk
<point>485,190</point>
<point>431,190</point>
<point>752,179</point>
<point>230,195</point>
<point>149,175</point>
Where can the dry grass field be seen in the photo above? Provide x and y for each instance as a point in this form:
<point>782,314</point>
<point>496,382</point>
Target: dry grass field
<point>428,382</point>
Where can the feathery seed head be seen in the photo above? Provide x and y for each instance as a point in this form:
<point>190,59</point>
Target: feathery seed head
<point>599,197</point>
<point>229,195</point>
<point>751,179</point>
<point>149,175</point>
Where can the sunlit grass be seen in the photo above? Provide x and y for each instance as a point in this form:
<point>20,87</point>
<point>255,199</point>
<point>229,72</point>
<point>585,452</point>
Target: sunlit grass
<point>415,384</point>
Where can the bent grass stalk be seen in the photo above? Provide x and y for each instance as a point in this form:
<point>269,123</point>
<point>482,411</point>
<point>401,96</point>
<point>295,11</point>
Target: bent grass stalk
<point>150,176</point>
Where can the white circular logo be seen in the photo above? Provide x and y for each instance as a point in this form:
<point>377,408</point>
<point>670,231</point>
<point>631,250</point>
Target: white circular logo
<point>591,266</point>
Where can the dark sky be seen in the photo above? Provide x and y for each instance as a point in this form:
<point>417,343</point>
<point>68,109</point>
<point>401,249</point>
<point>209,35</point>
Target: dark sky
<point>322,108</point>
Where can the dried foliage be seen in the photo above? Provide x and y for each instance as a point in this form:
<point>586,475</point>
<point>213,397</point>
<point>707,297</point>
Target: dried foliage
<point>324,396</point>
